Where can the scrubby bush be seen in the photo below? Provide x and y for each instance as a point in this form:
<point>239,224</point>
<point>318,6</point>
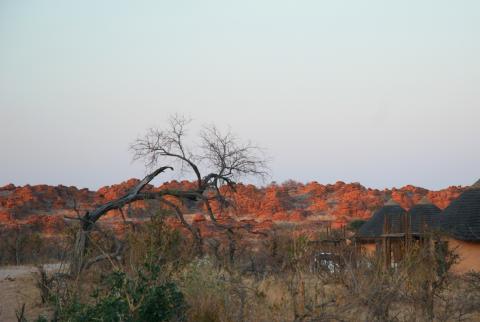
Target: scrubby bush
<point>137,287</point>
<point>287,277</point>
<point>126,298</point>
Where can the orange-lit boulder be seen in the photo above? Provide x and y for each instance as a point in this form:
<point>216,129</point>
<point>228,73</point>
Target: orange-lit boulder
<point>198,218</point>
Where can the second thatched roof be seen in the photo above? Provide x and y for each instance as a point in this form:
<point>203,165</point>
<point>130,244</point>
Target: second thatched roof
<point>461,219</point>
<point>373,228</point>
<point>423,216</point>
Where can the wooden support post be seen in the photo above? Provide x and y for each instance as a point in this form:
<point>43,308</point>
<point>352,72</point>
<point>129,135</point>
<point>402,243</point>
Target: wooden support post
<point>387,249</point>
<point>387,252</point>
<point>407,233</point>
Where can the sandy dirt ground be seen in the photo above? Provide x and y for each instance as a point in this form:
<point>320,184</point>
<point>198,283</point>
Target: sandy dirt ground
<point>17,287</point>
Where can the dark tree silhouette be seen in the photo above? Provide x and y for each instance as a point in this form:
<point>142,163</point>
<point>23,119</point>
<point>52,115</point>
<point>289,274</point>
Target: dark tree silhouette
<point>218,159</point>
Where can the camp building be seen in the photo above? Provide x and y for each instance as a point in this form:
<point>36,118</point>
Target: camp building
<point>391,228</point>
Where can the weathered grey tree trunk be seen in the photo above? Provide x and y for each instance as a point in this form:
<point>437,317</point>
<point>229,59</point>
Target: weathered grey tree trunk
<point>199,242</point>
<point>78,253</point>
<point>77,260</point>
<point>232,246</point>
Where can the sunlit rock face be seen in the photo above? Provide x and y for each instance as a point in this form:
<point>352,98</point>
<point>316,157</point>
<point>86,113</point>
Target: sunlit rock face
<point>45,207</point>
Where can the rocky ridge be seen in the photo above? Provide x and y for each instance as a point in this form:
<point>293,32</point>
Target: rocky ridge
<point>46,207</point>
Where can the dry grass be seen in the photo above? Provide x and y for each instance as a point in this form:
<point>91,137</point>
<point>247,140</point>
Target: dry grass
<point>18,288</point>
<point>281,286</point>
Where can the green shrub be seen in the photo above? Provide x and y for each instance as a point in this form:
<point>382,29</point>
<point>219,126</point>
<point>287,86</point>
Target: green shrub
<point>126,298</point>
<point>141,291</point>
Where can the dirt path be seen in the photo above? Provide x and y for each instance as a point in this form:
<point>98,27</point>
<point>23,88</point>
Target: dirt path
<point>17,286</point>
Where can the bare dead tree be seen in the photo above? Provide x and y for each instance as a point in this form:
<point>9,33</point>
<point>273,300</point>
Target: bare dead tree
<point>218,159</point>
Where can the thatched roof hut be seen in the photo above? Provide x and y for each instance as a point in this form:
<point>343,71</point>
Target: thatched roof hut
<point>461,219</point>
<point>391,213</point>
<point>423,216</point>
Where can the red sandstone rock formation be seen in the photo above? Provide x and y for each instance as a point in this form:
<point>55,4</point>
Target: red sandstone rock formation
<point>45,206</point>
<point>198,218</point>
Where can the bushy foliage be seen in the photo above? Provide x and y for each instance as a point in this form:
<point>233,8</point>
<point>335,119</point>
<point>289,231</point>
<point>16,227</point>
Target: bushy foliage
<point>124,298</point>
<point>20,245</point>
<point>287,278</point>
<point>137,288</point>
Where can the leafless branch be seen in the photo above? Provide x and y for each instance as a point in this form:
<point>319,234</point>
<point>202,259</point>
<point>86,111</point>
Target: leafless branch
<point>221,155</point>
<point>166,145</point>
<point>132,195</point>
<point>105,256</point>
<point>229,158</point>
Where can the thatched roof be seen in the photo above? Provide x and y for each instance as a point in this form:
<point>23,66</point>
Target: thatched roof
<point>461,219</point>
<point>374,226</point>
<point>423,215</point>
<point>475,185</point>
<point>391,202</point>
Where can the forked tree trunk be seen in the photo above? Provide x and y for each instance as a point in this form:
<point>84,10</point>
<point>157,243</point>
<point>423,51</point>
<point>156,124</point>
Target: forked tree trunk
<point>77,260</point>
<point>232,246</point>
<point>198,240</point>
<point>78,252</point>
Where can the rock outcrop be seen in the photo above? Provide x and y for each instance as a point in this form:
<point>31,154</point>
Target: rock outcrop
<point>45,207</point>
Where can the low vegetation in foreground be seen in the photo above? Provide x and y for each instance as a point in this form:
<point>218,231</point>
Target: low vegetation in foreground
<point>284,277</point>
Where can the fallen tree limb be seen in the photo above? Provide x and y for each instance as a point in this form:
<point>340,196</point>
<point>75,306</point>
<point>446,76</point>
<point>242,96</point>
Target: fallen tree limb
<point>90,218</point>
<point>131,196</point>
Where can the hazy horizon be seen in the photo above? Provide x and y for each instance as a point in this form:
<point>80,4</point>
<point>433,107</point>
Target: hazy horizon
<point>385,94</point>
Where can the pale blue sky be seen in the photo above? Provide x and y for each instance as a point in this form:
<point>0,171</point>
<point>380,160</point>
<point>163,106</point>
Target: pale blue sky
<point>381,92</point>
